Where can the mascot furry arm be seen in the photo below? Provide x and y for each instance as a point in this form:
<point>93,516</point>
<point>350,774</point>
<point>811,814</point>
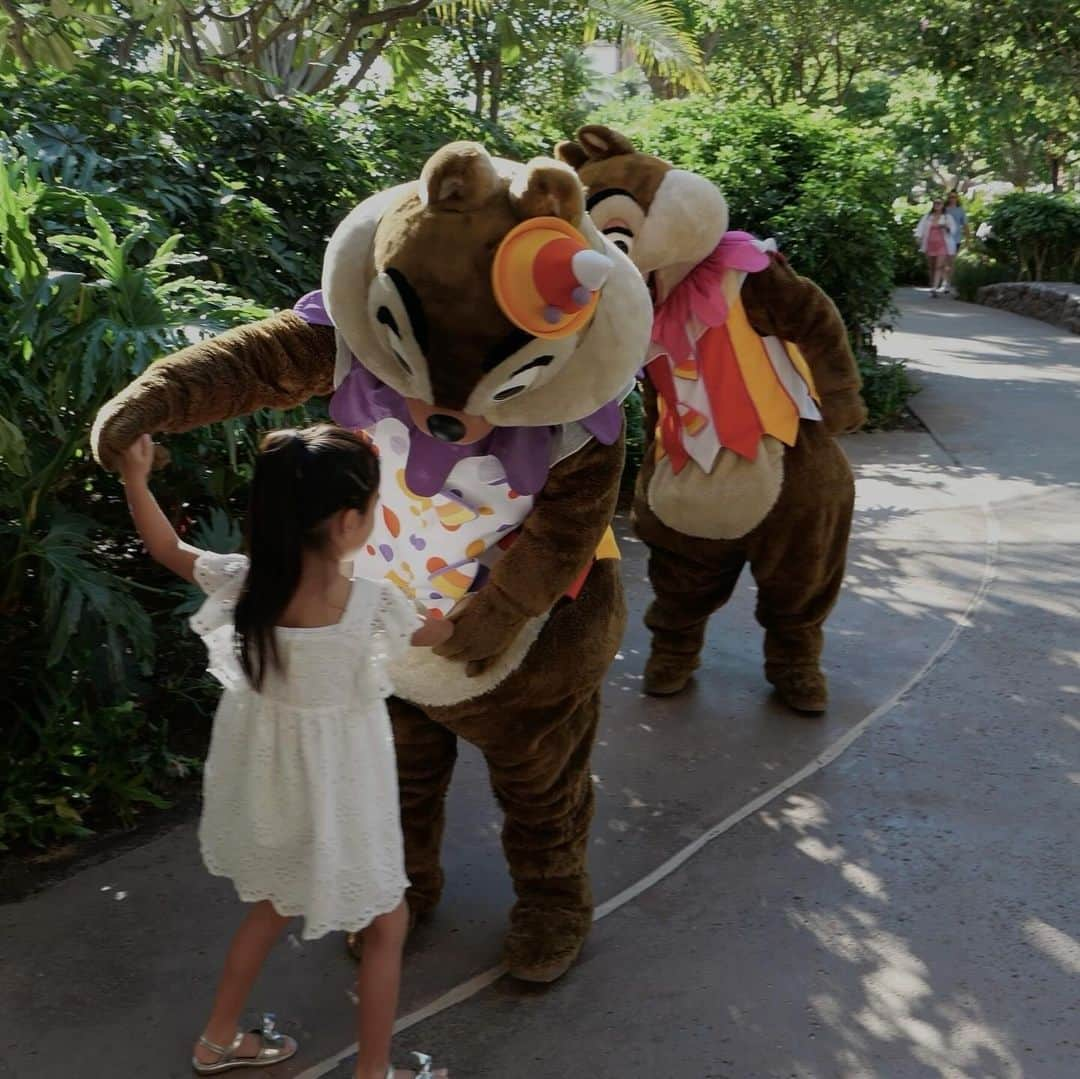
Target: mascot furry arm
<point>276,363</point>
<point>781,303</point>
<point>283,361</point>
<point>555,541</point>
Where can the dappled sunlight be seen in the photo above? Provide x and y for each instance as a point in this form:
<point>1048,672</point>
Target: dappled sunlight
<point>885,993</point>
<point>1054,943</point>
<point>862,878</point>
<point>921,583</point>
<point>996,362</point>
<point>931,485</point>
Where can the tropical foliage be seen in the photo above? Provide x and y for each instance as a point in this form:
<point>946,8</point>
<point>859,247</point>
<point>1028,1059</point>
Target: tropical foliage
<point>330,46</point>
<point>131,226</point>
<point>81,312</point>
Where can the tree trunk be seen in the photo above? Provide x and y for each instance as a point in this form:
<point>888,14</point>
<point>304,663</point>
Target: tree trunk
<point>15,34</point>
<point>1055,173</point>
<point>478,89</point>
<point>663,89</point>
<point>495,89</point>
<point>127,43</point>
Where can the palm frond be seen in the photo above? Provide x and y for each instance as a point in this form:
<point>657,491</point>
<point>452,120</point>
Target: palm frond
<point>657,32</point>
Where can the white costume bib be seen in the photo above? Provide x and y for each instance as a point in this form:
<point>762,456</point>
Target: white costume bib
<point>433,548</point>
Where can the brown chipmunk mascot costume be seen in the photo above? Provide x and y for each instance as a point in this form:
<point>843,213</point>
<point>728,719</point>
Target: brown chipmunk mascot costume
<point>483,332</point>
<point>749,377</point>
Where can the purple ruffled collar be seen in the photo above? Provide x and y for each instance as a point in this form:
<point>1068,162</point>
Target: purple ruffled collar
<point>524,452</point>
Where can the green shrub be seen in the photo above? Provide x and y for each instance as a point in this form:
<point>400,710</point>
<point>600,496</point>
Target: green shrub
<point>886,389</point>
<point>256,186</point>
<point>634,413</point>
<point>973,270</point>
<point>82,763</point>
<point>101,172</point>
<point>1039,232</point>
<point>822,186</point>
<point>89,644</point>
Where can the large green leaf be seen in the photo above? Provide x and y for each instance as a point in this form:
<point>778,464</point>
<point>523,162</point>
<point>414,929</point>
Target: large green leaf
<point>13,454</point>
<point>73,585</point>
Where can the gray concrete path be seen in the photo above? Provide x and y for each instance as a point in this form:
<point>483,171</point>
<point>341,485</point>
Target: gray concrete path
<point>869,921</point>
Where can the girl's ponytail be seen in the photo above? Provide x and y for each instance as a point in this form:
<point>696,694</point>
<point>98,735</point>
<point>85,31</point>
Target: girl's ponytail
<point>301,479</point>
<point>275,542</point>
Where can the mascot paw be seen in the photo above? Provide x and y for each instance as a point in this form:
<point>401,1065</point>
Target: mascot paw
<point>803,689</point>
<point>666,675</point>
<point>843,413</point>
<point>484,628</point>
<point>543,944</point>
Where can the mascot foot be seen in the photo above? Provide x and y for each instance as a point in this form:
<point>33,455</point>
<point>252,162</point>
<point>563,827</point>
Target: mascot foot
<point>802,689</point>
<point>542,945</point>
<point>666,675</point>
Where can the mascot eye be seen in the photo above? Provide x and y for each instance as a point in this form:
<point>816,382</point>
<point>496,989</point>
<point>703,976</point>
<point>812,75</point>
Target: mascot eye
<point>617,214</point>
<point>621,237</point>
<point>386,317</point>
<point>522,379</point>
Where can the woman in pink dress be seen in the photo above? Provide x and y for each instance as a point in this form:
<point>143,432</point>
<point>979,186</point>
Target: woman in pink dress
<point>934,234</point>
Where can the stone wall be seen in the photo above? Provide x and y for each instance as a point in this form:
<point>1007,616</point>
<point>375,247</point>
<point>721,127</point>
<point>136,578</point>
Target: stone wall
<point>1049,301</point>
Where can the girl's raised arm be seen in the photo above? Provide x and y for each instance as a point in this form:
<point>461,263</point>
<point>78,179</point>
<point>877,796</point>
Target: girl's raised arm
<point>158,535</point>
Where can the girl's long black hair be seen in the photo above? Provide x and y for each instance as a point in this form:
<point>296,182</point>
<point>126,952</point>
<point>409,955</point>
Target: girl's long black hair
<point>302,477</point>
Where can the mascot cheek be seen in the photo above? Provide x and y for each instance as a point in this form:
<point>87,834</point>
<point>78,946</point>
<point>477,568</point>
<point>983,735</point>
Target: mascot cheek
<point>686,221</point>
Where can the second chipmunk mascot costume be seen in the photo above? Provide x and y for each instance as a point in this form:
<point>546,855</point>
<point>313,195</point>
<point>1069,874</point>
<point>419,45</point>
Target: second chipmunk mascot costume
<point>483,332</point>
<point>749,377</point>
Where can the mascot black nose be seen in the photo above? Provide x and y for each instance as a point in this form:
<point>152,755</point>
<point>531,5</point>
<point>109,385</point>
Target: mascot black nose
<point>446,428</point>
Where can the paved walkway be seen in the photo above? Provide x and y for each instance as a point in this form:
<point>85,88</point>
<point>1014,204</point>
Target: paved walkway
<point>905,909</point>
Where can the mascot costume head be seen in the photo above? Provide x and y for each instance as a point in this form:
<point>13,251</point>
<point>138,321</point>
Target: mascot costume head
<point>483,333</point>
<point>749,375</point>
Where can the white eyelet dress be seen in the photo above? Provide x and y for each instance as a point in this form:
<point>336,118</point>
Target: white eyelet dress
<point>300,798</point>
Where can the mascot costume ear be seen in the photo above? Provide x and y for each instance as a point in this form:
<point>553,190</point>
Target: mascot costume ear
<point>750,374</point>
<point>482,332</point>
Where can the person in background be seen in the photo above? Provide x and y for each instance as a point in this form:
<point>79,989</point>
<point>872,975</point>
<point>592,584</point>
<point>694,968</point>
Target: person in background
<point>934,234</point>
<point>961,232</point>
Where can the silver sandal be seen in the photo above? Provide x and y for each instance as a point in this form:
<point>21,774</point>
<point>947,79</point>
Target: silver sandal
<point>275,1048</point>
<point>423,1061</point>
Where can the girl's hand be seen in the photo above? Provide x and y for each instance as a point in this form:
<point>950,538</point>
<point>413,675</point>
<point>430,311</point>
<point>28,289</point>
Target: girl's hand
<point>434,631</point>
<point>137,460</point>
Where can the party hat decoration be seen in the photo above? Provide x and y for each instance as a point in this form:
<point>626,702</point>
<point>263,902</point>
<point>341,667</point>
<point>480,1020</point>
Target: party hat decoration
<point>546,277</point>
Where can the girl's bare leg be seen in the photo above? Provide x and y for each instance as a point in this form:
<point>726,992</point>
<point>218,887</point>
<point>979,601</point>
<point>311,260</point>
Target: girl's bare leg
<point>935,273</point>
<point>250,946</point>
<point>931,266</point>
<point>377,986</point>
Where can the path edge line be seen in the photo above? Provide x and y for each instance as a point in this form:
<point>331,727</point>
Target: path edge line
<point>464,990</point>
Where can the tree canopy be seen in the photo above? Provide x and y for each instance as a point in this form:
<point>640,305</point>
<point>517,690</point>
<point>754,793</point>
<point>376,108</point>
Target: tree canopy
<point>968,89</point>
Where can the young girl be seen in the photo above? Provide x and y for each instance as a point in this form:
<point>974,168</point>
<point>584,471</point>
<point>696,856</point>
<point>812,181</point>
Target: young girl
<point>300,790</point>
<point>935,236</point>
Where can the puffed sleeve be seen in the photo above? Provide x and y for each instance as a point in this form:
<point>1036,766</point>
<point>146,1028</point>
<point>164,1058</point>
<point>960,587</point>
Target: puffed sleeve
<point>221,577</point>
<point>396,620</point>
